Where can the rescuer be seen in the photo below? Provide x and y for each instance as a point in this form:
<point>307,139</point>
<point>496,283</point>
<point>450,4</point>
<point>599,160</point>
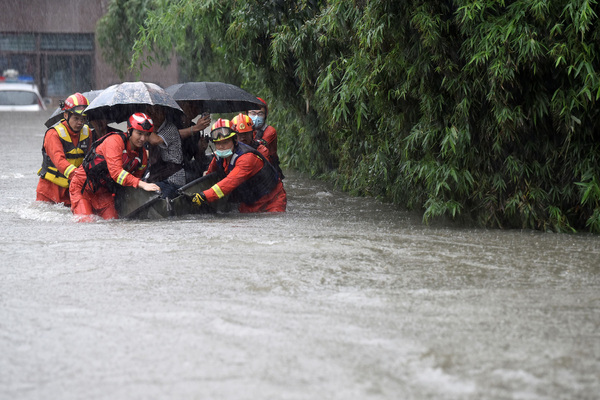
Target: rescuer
<point>65,145</point>
<point>245,173</point>
<point>116,159</point>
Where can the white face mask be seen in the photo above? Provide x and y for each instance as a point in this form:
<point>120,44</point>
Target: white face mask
<point>257,120</point>
<point>224,153</point>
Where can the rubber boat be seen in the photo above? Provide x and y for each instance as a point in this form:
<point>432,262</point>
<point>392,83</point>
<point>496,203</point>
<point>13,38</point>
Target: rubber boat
<point>132,203</point>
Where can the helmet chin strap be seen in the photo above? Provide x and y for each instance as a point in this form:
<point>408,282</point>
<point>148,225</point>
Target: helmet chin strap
<point>69,123</point>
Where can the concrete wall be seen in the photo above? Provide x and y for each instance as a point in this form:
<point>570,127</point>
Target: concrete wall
<point>74,16</point>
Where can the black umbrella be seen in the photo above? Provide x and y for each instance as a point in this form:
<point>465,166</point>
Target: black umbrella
<point>215,97</point>
<point>117,102</point>
<point>57,115</point>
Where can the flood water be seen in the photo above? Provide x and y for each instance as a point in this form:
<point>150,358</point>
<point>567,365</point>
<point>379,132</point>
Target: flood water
<point>339,298</point>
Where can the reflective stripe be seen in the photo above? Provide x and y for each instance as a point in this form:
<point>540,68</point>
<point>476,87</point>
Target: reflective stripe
<point>218,191</point>
<point>76,154</point>
<point>73,154</point>
<point>64,134</point>
<point>68,170</point>
<point>121,177</point>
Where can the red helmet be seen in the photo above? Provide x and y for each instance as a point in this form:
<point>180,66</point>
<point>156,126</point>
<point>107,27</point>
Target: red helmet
<point>266,107</point>
<point>75,103</point>
<point>221,130</point>
<point>141,122</point>
<point>242,123</point>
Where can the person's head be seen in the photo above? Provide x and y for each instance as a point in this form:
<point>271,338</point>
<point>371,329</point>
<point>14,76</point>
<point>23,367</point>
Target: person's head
<point>139,128</point>
<point>190,109</point>
<point>259,116</point>
<point>244,127</point>
<point>224,137</point>
<point>73,108</point>
<point>100,126</point>
<point>157,113</point>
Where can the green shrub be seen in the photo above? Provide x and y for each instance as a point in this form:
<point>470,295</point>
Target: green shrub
<point>477,109</point>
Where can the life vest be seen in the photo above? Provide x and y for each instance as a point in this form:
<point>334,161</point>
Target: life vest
<point>254,144</point>
<point>96,169</point>
<point>260,184</point>
<point>74,155</point>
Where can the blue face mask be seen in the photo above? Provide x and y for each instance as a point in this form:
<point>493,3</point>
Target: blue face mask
<point>224,153</point>
<point>257,121</point>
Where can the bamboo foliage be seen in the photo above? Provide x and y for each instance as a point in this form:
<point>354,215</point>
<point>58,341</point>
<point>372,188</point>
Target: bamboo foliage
<point>482,110</point>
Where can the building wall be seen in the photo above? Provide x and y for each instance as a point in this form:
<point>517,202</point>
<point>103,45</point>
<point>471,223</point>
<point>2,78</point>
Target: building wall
<point>71,17</point>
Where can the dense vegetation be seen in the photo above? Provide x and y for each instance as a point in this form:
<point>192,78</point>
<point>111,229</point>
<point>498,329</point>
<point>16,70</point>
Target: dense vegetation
<point>483,110</point>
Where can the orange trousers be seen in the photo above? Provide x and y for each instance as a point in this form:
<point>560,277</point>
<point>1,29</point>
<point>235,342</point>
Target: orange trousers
<point>84,204</point>
<point>52,193</point>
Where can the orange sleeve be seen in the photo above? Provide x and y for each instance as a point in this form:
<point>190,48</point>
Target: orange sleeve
<point>55,151</point>
<point>246,166</point>
<point>112,150</point>
<point>263,150</point>
<point>270,136</point>
<point>212,167</point>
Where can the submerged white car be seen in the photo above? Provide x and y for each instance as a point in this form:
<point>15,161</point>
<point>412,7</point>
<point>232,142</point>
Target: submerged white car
<point>20,97</point>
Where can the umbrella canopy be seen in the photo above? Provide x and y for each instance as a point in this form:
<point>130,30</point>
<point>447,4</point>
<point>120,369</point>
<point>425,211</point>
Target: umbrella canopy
<point>117,102</point>
<point>214,97</point>
<point>58,113</point>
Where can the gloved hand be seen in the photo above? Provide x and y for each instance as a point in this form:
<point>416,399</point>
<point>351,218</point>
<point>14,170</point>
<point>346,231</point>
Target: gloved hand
<point>199,199</point>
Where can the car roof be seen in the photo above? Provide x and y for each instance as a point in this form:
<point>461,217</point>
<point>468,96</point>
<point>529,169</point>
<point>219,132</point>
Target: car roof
<point>25,87</point>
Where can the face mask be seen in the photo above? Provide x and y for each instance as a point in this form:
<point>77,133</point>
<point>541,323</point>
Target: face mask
<point>257,121</point>
<point>224,153</point>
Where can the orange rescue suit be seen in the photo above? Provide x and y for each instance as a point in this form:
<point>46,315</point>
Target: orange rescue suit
<point>246,166</point>
<point>55,145</point>
<point>102,202</point>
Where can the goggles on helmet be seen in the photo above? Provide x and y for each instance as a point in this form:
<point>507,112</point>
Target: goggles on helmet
<point>221,130</point>
<point>75,103</point>
<point>222,133</point>
<point>78,110</point>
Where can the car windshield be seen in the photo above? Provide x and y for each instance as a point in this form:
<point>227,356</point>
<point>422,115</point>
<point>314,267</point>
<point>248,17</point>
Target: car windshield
<point>17,98</point>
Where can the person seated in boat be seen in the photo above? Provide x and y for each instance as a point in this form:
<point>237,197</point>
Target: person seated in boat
<point>196,163</point>
<point>244,173</point>
<point>191,110</point>
<point>64,147</point>
<point>193,141</point>
<point>244,127</point>
<point>115,159</point>
<point>166,154</point>
<point>266,134</point>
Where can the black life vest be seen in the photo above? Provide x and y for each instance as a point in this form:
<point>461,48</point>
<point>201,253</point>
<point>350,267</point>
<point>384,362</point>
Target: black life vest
<point>273,158</point>
<point>96,169</point>
<point>260,184</point>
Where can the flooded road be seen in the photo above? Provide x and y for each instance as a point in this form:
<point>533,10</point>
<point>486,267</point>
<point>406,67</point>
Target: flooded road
<point>339,298</point>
